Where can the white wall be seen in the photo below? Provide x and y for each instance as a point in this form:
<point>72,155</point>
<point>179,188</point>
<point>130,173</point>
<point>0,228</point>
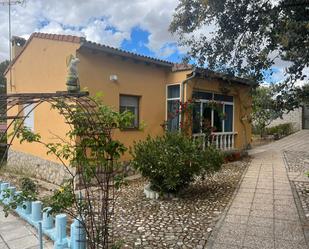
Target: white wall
<point>294,117</point>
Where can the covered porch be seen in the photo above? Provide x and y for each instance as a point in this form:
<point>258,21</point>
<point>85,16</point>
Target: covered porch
<point>218,111</point>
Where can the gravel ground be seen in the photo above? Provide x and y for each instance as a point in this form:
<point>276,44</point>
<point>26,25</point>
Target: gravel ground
<point>302,189</point>
<point>296,161</point>
<point>183,222</point>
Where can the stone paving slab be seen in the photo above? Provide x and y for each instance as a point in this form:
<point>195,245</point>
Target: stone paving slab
<point>17,234</point>
<point>298,141</point>
<point>263,213</point>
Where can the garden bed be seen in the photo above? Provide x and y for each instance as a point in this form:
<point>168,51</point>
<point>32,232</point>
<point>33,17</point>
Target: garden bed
<point>182,222</point>
<point>44,188</point>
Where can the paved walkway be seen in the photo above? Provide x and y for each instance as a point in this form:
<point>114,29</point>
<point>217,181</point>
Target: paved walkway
<point>296,142</point>
<point>263,214</point>
<point>17,234</point>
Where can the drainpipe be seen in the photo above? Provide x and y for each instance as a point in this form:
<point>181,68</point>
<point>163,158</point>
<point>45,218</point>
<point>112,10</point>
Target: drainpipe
<point>183,87</point>
<point>185,82</point>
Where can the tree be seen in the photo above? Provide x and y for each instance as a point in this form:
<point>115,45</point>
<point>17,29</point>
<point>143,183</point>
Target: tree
<point>268,105</point>
<point>290,98</point>
<point>90,155</point>
<point>3,66</point>
<point>249,35</point>
<point>263,108</point>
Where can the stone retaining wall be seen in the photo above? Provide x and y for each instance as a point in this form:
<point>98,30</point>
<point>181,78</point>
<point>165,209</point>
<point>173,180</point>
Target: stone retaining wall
<point>293,117</point>
<point>47,170</point>
<point>35,166</point>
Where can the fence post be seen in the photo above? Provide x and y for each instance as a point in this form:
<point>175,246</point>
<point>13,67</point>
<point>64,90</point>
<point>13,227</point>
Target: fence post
<point>36,211</point>
<point>78,235</point>
<point>27,210</point>
<point>61,241</point>
<point>12,193</point>
<point>19,207</point>
<point>40,234</point>
<point>47,219</point>
<point>4,186</point>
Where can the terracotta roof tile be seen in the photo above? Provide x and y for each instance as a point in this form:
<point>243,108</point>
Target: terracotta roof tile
<point>77,39</point>
<point>121,52</point>
<point>66,38</point>
<point>181,67</point>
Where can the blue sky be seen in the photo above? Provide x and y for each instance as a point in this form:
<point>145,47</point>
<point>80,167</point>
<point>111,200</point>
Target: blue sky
<point>140,26</point>
<point>138,44</point>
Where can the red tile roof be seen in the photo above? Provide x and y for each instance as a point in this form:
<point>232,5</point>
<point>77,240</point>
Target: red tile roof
<point>181,67</point>
<point>124,53</point>
<point>92,45</point>
<point>84,42</point>
<point>66,38</point>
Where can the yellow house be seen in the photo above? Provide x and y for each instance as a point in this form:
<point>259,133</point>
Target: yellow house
<point>151,88</point>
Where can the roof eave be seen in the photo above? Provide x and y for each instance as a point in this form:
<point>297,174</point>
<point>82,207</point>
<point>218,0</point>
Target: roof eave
<point>109,50</point>
<point>242,81</point>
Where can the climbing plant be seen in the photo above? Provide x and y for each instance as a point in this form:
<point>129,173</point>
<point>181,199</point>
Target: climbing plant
<point>185,111</point>
<point>90,155</point>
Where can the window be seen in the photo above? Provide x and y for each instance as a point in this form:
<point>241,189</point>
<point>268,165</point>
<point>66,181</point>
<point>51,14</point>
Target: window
<point>203,115</point>
<point>130,103</point>
<point>29,116</point>
<point>173,103</point>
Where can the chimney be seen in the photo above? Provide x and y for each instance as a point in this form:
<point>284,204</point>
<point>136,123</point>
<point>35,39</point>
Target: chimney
<point>17,45</point>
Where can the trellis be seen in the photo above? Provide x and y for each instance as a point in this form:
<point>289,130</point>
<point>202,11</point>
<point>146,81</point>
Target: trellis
<point>99,195</point>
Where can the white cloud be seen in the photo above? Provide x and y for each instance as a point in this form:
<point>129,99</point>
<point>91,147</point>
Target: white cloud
<point>103,21</point>
<point>92,19</point>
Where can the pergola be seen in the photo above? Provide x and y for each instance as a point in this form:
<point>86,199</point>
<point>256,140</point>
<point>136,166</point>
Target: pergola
<point>99,195</point>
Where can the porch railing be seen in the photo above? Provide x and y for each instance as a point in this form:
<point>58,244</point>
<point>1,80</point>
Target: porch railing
<point>222,140</point>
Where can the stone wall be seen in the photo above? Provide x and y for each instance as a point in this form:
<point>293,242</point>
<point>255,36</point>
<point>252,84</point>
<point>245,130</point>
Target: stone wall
<point>35,166</point>
<point>294,117</point>
<point>47,170</point>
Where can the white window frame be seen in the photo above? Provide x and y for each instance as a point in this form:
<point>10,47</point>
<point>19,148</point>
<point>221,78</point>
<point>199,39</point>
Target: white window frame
<point>201,101</point>
<point>168,99</point>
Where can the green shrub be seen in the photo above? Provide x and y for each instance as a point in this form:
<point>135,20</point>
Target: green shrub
<point>172,161</point>
<point>280,130</point>
<point>28,185</point>
<point>28,193</point>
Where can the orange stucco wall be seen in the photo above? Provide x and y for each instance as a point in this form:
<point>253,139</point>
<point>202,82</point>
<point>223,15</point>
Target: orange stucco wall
<point>134,78</point>
<point>242,105</point>
<point>41,68</point>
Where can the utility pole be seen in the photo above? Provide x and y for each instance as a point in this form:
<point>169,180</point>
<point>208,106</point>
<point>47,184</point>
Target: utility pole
<point>9,3</point>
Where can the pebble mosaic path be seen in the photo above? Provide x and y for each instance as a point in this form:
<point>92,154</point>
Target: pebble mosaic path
<point>262,215</point>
